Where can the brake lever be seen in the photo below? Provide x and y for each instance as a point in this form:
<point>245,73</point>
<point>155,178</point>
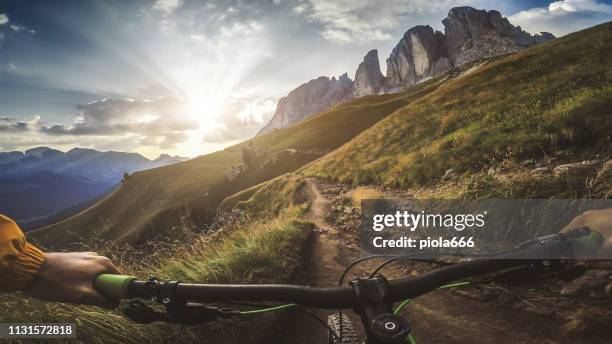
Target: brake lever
<point>558,241</point>
<point>545,241</point>
<point>139,312</point>
<point>189,313</point>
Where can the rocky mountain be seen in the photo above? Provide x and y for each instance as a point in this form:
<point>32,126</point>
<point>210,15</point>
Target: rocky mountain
<point>418,55</point>
<point>469,35</point>
<point>42,181</point>
<point>312,97</point>
<point>422,53</point>
<point>368,78</point>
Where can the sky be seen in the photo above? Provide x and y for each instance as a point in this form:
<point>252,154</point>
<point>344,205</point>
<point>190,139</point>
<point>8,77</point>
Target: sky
<point>187,77</point>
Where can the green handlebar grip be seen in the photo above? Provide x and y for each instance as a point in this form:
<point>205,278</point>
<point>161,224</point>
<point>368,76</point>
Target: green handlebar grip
<point>588,244</point>
<point>113,286</point>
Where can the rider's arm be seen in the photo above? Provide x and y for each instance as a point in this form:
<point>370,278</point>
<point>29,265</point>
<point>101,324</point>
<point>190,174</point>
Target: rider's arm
<point>20,261</point>
<point>62,277</point>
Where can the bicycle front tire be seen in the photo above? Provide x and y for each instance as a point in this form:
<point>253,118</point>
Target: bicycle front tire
<point>349,336</point>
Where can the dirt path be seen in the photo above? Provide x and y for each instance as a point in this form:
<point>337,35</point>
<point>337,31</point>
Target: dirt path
<point>439,317</point>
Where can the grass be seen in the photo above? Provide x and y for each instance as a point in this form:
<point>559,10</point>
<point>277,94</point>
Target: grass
<point>555,96</point>
<point>273,196</point>
<point>252,252</point>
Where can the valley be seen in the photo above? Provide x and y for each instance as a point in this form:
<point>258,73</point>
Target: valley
<point>32,182</point>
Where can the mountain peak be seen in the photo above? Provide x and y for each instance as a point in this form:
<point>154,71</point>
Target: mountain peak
<point>309,98</point>
<point>368,78</point>
<point>37,152</point>
<point>167,158</point>
<point>469,34</point>
<point>472,34</point>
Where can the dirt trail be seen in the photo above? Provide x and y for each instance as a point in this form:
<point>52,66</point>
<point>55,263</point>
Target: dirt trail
<point>439,317</point>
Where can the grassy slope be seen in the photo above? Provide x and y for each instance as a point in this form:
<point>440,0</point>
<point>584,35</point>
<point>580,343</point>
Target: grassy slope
<point>556,96</point>
<point>259,251</point>
<point>156,200</point>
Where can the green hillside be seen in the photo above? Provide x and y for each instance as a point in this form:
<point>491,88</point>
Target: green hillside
<point>553,100</point>
<point>153,202</point>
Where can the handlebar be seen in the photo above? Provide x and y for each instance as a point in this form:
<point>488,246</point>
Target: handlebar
<point>576,244</point>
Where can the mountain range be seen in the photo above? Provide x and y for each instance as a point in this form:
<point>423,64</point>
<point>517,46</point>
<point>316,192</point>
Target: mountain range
<point>422,53</point>
<point>42,181</point>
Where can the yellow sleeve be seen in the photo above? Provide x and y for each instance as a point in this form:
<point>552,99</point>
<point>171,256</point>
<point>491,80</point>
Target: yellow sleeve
<point>19,260</point>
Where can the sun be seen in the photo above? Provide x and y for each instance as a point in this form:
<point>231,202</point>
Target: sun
<point>206,112</point>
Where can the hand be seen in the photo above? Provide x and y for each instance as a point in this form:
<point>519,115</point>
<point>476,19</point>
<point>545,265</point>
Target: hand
<point>69,277</point>
<point>598,220</point>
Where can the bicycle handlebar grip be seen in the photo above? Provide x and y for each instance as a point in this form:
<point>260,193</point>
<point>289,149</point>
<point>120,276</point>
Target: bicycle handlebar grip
<point>587,244</point>
<point>113,286</point>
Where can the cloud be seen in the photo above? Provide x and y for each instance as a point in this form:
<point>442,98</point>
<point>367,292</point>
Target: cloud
<point>15,125</point>
<point>11,67</point>
<point>163,122</point>
<point>241,119</point>
<point>240,29</point>
<point>167,6</point>
<point>563,17</point>
<point>156,119</point>
<point>346,21</point>
<point>4,22</point>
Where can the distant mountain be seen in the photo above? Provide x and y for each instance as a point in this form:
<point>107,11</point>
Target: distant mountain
<point>43,181</point>
<point>79,162</point>
<point>166,159</point>
<point>422,53</point>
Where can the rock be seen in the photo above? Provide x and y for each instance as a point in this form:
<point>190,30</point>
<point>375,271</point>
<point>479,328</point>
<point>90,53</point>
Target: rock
<point>541,171</point>
<point>308,99</point>
<point>415,57</point>
<point>592,281</point>
<point>577,168</point>
<point>472,34</point>
<point>368,78</point>
<point>543,37</point>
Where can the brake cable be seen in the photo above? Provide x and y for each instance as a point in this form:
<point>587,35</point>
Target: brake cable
<point>404,303</point>
<point>270,309</point>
